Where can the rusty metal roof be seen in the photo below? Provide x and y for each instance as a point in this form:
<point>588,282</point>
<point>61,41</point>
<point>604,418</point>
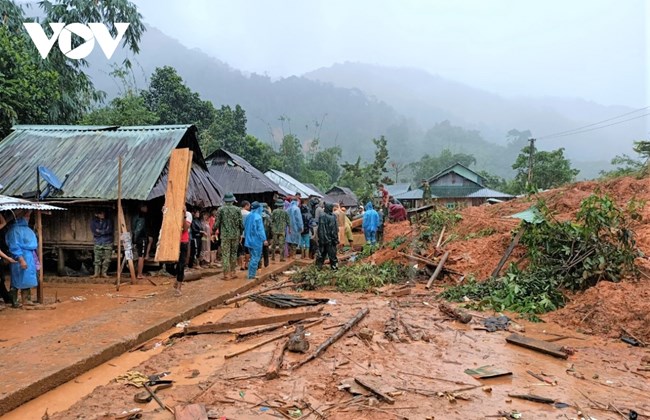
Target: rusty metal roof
<point>237,176</point>
<point>88,156</point>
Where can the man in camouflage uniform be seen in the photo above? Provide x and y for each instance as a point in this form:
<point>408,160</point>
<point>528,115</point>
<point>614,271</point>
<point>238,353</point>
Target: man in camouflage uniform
<point>229,225</point>
<point>279,224</point>
<point>426,192</point>
<point>328,238</point>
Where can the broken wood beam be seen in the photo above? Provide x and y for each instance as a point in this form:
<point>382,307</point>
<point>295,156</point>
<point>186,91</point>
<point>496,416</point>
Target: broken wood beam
<point>537,345</point>
<point>338,334</point>
<point>509,250</point>
<point>438,269</point>
<point>375,387</point>
<point>254,331</point>
<point>455,313</point>
<point>270,340</point>
<point>273,370</point>
<point>266,289</point>
<point>442,232</point>
<point>252,322</point>
<point>534,398</point>
<point>418,259</point>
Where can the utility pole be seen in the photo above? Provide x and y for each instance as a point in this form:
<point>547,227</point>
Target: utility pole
<point>531,154</point>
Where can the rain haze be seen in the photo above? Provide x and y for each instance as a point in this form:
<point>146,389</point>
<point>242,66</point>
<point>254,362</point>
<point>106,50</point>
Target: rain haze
<point>595,50</point>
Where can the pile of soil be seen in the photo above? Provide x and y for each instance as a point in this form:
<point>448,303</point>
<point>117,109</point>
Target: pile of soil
<point>478,241</point>
<point>606,307</point>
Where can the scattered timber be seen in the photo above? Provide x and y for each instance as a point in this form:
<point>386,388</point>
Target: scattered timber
<point>243,323</point>
<point>375,387</point>
<point>537,345</point>
<point>438,269</point>
<point>338,334</point>
<point>276,360</point>
<point>454,313</point>
<point>269,340</point>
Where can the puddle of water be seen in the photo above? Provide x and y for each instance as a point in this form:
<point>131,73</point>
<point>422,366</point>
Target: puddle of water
<point>64,396</point>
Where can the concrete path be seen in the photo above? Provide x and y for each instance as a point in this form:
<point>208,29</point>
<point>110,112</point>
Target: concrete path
<point>34,366</point>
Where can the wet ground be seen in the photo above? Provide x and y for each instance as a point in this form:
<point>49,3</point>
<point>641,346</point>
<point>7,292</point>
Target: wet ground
<point>426,379</point>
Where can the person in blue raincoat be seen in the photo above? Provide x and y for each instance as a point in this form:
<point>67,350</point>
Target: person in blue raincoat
<point>22,244</point>
<point>295,227</point>
<point>254,237</point>
<point>370,224</point>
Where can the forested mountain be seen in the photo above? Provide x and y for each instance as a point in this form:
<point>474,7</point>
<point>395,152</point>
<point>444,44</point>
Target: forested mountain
<point>349,104</point>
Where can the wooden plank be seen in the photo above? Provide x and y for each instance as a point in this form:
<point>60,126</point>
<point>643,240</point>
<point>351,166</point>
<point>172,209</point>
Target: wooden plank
<point>243,323</point>
<point>438,269</point>
<point>190,412</point>
<point>126,242</point>
<point>375,387</point>
<point>509,250</point>
<point>537,345</point>
<point>119,207</point>
<point>180,164</point>
<point>418,259</point>
<point>273,370</point>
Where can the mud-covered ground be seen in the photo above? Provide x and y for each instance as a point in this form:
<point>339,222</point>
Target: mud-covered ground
<point>602,372</point>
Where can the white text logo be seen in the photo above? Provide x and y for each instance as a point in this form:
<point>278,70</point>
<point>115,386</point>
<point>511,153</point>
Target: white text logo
<point>63,32</point>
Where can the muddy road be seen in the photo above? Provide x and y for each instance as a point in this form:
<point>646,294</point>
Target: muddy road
<point>424,375</point>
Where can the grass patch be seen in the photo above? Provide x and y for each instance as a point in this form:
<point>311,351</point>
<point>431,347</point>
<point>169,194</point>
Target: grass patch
<point>361,277</point>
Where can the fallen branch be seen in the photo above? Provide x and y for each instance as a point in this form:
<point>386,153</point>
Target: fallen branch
<point>338,334</point>
<point>454,313</point>
<point>269,340</point>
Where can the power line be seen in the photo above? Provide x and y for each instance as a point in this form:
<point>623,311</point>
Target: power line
<point>559,134</point>
<point>594,128</point>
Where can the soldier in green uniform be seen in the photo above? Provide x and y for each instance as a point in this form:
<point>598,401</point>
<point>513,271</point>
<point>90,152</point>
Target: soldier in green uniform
<point>229,225</point>
<point>279,225</point>
<point>426,192</point>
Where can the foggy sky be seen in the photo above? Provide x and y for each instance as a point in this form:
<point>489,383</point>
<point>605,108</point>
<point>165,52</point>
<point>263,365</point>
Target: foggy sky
<point>593,49</point>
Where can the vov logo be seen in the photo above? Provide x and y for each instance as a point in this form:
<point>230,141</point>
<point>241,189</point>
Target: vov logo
<point>90,33</point>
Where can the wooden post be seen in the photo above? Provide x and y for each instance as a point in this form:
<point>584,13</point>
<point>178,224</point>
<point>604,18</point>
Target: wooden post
<point>119,210</point>
<point>509,250</point>
<point>438,269</point>
<point>60,264</point>
<point>39,228</point>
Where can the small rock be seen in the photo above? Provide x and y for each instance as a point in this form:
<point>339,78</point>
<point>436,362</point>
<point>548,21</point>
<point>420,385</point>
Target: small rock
<point>366,334</point>
<point>297,341</point>
<point>372,401</point>
<point>487,389</point>
<point>645,360</point>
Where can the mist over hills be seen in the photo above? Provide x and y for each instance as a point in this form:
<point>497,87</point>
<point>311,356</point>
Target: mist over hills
<point>350,103</point>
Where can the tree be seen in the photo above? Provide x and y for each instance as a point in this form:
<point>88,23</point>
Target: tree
<point>77,92</point>
<point>428,165</point>
<point>27,86</point>
<point>325,161</point>
<point>364,179</point>
<point>397,167</point>
<point>174,102</point>
<point>127,109</point>
<point>627,165</point>
<point>292,156</point>
<point>550,169</point>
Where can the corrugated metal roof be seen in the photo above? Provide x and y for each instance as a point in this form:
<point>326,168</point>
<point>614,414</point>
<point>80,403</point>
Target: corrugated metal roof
<point>13,203</point>
<point>290,185</point>
<point>489,193</point>
<point>88,155</point>
<point>411,195</point>
<point>453,192</point>
<point>397,189</point>
<point>461,170</point>
<point>342,195</point>
<point>237,176</point>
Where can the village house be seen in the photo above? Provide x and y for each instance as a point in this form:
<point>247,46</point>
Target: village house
<point>290,185</point>
<point>85,159</point>
<point>235,175</point>
<point>342,195</point>
<point>458,186</point>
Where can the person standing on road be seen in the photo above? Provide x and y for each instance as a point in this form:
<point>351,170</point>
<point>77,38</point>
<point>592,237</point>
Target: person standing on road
<point>103,235</point>
<point>328,238</point>
<point>182,258</point>
<point>242,251</point>
<point>295,228</point>
<point>279,225</point>
<point>22,243</point>
<point>266,219</point>
<point>229,226</point>
<point>255,238</point>
<point>141,239</point>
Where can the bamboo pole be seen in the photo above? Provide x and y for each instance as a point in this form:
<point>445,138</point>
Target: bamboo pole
<point>39,228</point>
<point>119,209</point>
